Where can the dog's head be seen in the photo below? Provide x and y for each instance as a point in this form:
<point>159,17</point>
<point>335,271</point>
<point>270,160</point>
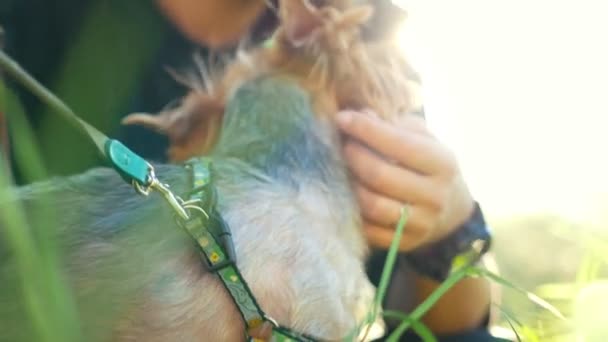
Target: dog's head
<point>318,43</point>
<point>322,42</point>
<point>320,28</point>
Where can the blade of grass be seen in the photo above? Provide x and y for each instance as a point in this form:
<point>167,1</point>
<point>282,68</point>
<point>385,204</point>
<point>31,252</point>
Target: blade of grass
<point>387,271</point>
<point>25,150</point>
<point>513,329</point>
<point>531,296</point>
<point>419,328</point>
<point>46,293</point>
<point>510,318</point>
<point>530,335</point>
<point>16,232</point>
<point>426,305</point>
<point>391,258</point>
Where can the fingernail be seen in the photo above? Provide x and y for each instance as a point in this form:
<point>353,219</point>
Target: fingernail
<point>344,118</point>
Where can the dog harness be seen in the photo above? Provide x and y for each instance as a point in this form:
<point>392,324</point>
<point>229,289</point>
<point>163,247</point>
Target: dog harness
<point>197,215</point>
<point>214,240</point>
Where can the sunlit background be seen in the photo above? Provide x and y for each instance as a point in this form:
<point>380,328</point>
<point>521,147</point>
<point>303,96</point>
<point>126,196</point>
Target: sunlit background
<point>518,89</point>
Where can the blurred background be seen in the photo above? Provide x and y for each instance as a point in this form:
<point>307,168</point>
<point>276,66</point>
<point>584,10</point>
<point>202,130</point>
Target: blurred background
<point>518,90</point>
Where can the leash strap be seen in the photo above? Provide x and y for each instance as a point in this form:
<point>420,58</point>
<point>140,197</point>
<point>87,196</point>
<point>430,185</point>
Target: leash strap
<point>129,165</point>
<point>132,168</point>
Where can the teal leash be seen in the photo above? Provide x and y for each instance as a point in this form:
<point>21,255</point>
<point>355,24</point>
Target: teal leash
<point>132,168</point>
<point>198,215</point>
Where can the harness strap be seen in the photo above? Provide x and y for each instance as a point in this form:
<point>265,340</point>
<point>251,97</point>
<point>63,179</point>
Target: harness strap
<point>217,247</point>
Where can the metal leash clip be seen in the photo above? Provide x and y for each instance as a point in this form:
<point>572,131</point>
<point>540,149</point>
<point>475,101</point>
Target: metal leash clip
<point>154,184</point>
<point>140,174</point>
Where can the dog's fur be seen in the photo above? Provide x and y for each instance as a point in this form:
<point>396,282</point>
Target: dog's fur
<point>285,193</point>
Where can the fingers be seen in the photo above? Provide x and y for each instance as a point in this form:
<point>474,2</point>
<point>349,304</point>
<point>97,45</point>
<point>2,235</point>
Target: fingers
<point>400,164</point>
<point>381,215</point>
<point>389,179</point>
<point>382,237</point>
<point>408,147</point>
<point>416,232</point>
<point>378,209</point>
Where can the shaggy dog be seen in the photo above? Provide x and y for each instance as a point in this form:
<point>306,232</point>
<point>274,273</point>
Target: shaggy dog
<point>283,189</point>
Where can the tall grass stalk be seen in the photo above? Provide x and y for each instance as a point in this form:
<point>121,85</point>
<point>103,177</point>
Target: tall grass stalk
<point>45,289</point>
<point>428,303</point>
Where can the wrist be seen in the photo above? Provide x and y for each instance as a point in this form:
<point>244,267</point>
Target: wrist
<point>463,246</point>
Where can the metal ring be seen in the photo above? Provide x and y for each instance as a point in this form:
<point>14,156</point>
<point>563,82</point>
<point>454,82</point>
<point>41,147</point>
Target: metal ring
<point>196,208</point>
<point>145,191</point>
<point>151,174</point>
<point>191,202</point>
<point>271,320</point>
<point>170,198</point>
<point>140,190</point>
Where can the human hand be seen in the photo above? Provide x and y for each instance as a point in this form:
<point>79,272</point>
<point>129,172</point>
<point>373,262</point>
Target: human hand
<point>398,165</point>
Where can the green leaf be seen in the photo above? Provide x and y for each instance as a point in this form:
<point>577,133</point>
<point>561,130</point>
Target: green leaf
<point>419,328</point>
<point>531,296</point>
<point>510,318</point>
<point>428,303</point>
<point>46,295</point>
<point>387,271</point>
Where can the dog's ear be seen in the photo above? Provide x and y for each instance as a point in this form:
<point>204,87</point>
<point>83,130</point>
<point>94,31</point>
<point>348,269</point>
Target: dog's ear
<point>192,128</point>
<point>355,16</point>
<point>299,19</point>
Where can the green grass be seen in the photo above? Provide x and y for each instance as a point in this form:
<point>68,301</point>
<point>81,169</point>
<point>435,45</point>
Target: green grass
<point>45,293</point>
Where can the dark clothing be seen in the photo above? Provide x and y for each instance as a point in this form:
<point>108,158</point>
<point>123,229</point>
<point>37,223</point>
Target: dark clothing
<point>107,59</point>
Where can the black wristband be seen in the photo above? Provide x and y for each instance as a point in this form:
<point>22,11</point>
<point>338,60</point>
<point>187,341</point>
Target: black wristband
<point>471,240</point>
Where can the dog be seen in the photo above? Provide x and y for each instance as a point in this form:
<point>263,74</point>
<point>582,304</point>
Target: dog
<point>284,191</point>
<point>283,188</point>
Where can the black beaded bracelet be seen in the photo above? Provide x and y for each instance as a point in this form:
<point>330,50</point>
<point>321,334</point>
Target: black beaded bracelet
<point>470,241</point>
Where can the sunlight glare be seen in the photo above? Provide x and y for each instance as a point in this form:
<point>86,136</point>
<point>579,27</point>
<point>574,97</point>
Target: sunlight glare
<point>518,90</point>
